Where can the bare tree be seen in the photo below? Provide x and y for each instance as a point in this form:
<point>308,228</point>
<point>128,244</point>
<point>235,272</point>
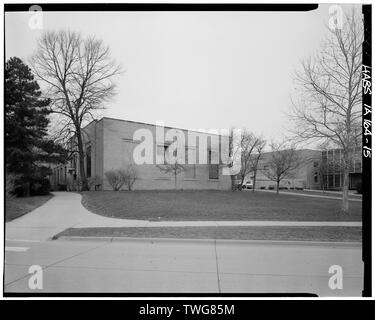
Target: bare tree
<point>249,146</point>
<point>282,162</point>
<point>327,104</point>
<point>243,145</point>
<point>322,172</point>
<point>233,150</point>
<point>256,157</point>
<point>173,168</point>
<point>116,178</point>
<point>131,175</point>
<point>79,75</point>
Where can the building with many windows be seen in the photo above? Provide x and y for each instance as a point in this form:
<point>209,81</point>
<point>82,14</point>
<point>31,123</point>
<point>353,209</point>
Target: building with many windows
<point>110,144</point>
<point>332,169</point>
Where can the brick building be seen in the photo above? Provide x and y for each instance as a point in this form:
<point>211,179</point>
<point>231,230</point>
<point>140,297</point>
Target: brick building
<point>109,145</point>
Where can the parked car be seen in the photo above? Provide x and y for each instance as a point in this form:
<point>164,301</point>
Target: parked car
<point>247,185</point>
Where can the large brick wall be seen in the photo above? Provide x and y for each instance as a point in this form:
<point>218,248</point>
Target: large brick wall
<point>118,146</point>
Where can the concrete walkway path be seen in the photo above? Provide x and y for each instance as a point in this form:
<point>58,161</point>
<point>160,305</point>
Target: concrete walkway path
<point>65,210</point>
<point>312,195</point>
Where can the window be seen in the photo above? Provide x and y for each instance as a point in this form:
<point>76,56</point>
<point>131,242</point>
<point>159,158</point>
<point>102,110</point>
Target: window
<point>88,161</point>
<point>330,181</point>
<point>316,164</point>
<point>337,181</point>
<point>315,177</point>
<point>213,169</point>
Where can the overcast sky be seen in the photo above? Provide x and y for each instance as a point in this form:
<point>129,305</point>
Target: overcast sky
<point>194,69</point>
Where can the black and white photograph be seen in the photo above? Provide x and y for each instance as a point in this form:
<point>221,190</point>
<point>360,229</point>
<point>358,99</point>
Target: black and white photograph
<point>187,150</point>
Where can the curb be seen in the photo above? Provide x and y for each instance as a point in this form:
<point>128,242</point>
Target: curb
<point>218,241</point>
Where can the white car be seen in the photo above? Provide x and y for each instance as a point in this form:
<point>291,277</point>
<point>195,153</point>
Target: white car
<point>247,185</point>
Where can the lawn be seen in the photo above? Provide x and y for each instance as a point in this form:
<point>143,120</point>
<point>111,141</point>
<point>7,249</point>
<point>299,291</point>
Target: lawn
<point>216,205</point>
<point>17,207</point>
<point>347,234</point>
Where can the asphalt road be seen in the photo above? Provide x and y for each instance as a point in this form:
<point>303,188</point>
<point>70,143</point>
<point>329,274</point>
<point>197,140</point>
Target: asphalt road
<point>178,266</point>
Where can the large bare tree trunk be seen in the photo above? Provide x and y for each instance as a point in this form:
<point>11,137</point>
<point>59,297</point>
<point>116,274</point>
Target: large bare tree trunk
<point>345,187</point>
<point>242,180</point>
<point>81,157</point>
<point>277,186</point>
<point>254,180</point>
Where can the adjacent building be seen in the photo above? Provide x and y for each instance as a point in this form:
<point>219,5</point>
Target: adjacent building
<point>306,176</point>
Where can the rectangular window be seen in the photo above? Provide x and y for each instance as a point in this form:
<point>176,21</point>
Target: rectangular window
<point>88,161</point>
<point>337,181</point>
<point>330,181</point>
<point>315,177</point>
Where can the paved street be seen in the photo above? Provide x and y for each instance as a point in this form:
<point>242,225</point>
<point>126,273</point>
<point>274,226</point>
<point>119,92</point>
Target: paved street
<point>155,266</point>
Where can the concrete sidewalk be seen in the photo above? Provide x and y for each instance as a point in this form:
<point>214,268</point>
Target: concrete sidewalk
<point>311,195</point>
<point>65,210</point>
